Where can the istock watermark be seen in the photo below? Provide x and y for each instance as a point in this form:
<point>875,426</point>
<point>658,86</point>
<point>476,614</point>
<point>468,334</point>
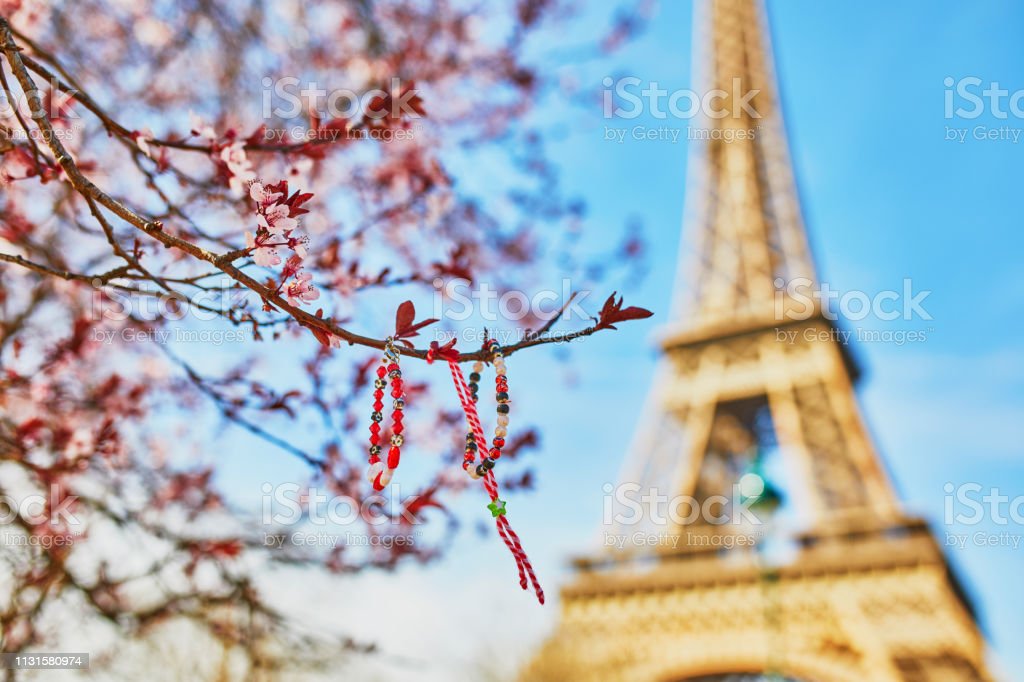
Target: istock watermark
<point>970,98</point>
<point>663,541</point>
<point>801,298</point>
<point>56,106</point>
<point>972,504</point>
<point>288,504</point>
<point>38,509</point>
<point>210,337</point>
<point>643,133</point>
<point>459,300</point>
<point>289,97</point>
<point>216,301</point>
<point>981,98</point>
<point>335,540</point>
<point>630,97</point>
<point>629,504</point>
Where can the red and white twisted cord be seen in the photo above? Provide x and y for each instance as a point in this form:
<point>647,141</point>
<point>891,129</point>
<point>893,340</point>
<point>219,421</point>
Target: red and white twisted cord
<point>508,536</point>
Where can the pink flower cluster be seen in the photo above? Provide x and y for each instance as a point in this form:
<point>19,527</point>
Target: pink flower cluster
<point>277,221</point>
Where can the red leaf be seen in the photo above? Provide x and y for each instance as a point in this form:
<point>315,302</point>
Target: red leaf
<point>405,325</point>
<point>404,317</point>
<point>612,312</point>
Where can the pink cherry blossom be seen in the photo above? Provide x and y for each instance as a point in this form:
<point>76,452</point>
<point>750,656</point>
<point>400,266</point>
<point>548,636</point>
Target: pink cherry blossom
<point>261,195</point>
<point>300,290</point>
<point>299,246</point>
<point>276,220</point>
<point>264,256</point>
<point>142,139</point>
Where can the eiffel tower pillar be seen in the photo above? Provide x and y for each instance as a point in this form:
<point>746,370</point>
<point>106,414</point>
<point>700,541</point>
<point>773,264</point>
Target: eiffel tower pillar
<point>863,592</point>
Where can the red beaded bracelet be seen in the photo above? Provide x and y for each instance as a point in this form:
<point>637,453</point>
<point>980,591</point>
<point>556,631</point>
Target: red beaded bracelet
<point>381,471</point>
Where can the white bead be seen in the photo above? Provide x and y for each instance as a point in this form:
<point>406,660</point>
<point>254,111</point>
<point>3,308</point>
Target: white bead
<point>471,470</point>
<point>502,420</point>
<point>478,367</point>
<point>374,471</point>
<point>385,477</point>
<point>501,432</point>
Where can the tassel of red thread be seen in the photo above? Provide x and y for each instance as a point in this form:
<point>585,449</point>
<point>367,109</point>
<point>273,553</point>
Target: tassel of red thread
<point>527,576</point>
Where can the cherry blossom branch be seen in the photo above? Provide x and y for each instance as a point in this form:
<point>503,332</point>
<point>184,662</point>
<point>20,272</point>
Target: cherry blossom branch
<point>223,262</point>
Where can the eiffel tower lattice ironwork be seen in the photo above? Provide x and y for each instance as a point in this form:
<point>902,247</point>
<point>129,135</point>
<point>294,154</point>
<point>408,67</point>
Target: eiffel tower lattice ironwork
<point>865,592</point>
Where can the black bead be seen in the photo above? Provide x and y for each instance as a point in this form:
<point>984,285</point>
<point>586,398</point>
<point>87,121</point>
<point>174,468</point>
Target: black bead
<point>395,373</point>
<point>379,383</point>
<point>474,377</point>
<point>480,470</point>
<point>376,416</point>
<point>374,449</point>
<point>471,446</point>
<point>501,397</point>
<point>488,463</point>
<point>503,409</point>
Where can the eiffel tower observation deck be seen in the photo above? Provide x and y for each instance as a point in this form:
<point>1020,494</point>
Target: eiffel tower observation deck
<point>823,579</point>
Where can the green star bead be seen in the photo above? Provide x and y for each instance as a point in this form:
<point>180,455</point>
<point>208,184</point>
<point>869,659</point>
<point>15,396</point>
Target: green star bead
<point>497,508</point>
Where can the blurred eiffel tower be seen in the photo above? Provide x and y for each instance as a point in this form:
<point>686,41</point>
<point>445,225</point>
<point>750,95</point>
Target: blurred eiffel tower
<point>865,593</point>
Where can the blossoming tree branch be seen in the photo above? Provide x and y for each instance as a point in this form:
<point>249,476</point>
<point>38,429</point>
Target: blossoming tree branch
<point>290,173</point>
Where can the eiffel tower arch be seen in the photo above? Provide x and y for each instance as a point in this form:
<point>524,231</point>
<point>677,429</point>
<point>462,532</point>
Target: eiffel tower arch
<point>863,591</point>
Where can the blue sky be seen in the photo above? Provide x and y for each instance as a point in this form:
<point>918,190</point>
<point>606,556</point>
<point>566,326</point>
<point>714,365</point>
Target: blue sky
<point>886,197</point>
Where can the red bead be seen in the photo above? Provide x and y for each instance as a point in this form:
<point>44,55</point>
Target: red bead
<point>374,459</point>
<point>378,394</point>
<point>392,367</point>
<point>381,371</point>
<point>397,416</point>
<point>375,427</point>
<point>378,406</point>
<point>396,392</point>
<point>393,456</point>
<point>375,439</point>
<point>495,453</point>
<point>398,427</point>
<point>499,442</point>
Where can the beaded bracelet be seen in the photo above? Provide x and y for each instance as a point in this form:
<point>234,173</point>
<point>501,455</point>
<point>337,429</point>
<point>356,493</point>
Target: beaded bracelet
<point>380,472</point>
<point>468,397</point>
<point>501,398</point>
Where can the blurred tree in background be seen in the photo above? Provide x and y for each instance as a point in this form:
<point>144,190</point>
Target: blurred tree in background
<point>273,174</point>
